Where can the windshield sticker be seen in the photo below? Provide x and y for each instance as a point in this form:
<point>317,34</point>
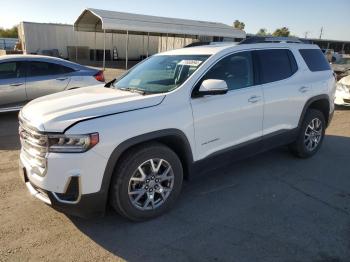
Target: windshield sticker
<point>135,82</point>
<point>190,62</point>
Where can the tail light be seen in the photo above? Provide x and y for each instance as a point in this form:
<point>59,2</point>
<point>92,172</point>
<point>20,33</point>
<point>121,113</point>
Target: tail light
<point>100,76</point>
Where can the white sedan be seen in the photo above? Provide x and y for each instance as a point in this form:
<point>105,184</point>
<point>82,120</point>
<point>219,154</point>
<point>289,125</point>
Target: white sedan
<point>342,94</point>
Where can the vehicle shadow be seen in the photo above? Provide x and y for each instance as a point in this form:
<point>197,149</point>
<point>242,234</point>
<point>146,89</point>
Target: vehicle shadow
<point>342,108</point>
<point>271,205</point>
<point>9,139</point>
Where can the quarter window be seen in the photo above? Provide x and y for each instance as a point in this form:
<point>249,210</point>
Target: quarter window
<point>275,64</point>
<point>236,70</point>
<point>315,59</point>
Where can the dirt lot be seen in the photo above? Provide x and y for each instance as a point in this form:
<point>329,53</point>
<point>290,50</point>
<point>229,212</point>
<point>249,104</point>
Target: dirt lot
<point>271,207</point>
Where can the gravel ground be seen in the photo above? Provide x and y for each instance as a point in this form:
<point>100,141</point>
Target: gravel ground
<point>271,207</point>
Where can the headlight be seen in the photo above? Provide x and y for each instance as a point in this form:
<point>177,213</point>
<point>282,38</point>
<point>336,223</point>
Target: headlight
<point>342,88</point>
<point>72,143</point>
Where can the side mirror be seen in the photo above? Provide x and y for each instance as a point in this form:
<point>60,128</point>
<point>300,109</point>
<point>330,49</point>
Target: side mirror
<point>213,87</point>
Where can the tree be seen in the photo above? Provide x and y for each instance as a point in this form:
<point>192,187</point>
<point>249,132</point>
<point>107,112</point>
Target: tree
<point>238,25</point>
<point>262,32</point>
<point>284,31</point>
<point>9,33</point>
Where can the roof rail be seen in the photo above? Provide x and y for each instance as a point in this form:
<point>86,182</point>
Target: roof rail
<point>270,39</point>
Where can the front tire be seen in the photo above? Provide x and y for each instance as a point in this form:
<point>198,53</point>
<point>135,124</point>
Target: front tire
<point>311,134</point>
<point>147,182</point>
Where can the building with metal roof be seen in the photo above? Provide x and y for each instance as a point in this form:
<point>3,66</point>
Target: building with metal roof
<point>96,20</point>
<point>101,35</point>
<point>109,22</point>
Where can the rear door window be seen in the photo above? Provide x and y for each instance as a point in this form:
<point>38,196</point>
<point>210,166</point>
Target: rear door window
<point>275,64</point>
<point>315,60</point>
<point>46,69</point>
<point>66,69</point>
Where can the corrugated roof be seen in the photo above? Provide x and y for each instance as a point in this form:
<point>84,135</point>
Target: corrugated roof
<point>92,20</point>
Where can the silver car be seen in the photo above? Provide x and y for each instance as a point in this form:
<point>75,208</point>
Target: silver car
<point>26,77</point>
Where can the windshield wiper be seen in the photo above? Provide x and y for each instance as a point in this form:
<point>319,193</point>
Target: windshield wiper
<point>134,90</point>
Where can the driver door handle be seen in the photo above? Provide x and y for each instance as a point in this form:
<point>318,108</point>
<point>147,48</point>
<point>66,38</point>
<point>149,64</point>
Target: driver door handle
<point>304,89</point>
<point>61,78</point>
<point>17,84</point>
<point>254,99</point>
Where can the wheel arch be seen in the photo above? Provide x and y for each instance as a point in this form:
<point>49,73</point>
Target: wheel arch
<point>173,138</point>
<point>321,103</point>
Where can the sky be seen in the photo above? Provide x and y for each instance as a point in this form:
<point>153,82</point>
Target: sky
<point>300,16</point>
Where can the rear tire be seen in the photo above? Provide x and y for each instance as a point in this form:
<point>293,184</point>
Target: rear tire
<point>147,182</point>
<point>311,134</point>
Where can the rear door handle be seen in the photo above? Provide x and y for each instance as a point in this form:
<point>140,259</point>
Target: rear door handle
<point>17,84</point>
<point>304,89</point>
<point>254,99</point>
<point>61,78</point>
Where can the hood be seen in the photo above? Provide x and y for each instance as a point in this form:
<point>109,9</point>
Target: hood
<point>54,113</point>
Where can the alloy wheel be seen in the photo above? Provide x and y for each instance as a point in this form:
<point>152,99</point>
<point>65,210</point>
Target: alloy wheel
<point>313,134</point>
<point>151,184</point>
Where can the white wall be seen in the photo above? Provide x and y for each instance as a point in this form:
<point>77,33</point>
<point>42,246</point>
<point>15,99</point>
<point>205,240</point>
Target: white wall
<point>37,36</point>
<point>171,42</point>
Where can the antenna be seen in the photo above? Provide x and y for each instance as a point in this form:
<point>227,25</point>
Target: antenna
<point>321,33</point>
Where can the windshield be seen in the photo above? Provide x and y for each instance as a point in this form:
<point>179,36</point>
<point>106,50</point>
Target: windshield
<point>160,74</point>
<point>344,61</point>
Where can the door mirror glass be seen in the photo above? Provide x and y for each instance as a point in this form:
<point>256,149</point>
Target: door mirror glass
<point>213,87</point>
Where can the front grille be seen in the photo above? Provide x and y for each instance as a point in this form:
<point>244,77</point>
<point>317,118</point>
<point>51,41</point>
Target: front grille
<point>34,148</point>
<point>347,101</point>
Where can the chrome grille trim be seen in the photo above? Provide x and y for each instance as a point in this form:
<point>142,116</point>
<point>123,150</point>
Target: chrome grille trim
<point>34,148</point>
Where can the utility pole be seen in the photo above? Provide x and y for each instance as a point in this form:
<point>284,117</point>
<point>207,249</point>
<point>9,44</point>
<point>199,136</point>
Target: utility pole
<point>306,34</point>
<point>321,33</point>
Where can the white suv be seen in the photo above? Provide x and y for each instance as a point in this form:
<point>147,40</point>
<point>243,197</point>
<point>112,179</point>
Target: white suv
<point>132,143</point>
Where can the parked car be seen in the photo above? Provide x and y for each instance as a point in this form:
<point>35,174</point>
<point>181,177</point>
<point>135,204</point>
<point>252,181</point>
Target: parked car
<point>132,143</point>
<point>26,77</point>
<point>331,55</point>
<point>342,94</point>
<point>342,67</point>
